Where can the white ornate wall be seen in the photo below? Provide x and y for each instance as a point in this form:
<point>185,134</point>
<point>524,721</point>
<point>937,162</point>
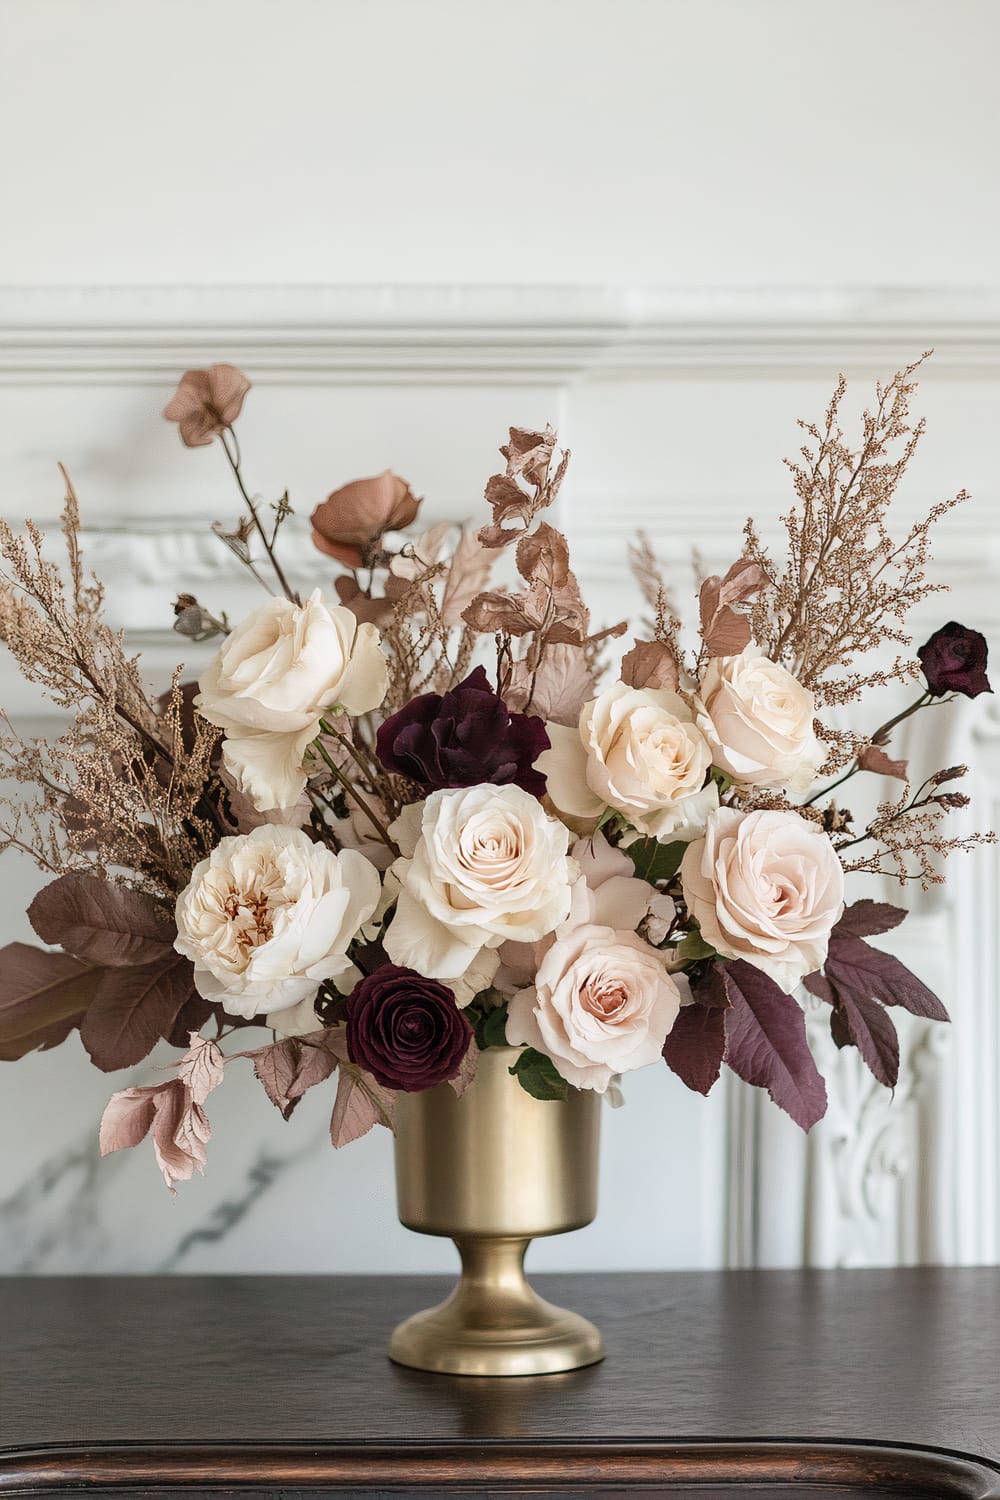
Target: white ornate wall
<point>678,408</point>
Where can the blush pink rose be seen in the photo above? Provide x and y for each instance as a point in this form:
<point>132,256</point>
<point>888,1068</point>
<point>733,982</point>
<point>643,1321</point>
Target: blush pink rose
<point>766,887</point>
<point>602,1004</point>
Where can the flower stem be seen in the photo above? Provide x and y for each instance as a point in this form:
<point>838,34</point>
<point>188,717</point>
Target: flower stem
<point>234,464</point>
<point>352,792</point>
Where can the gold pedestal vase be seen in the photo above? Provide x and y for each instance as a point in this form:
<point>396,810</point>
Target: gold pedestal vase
<point>493,1170</point>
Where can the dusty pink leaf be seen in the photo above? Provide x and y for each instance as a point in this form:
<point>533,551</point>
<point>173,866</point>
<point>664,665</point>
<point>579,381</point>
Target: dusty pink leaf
<point>289,1067</point>
<point>360,1104</point>
<point>727,633</point>
<point>562,685</point>
<point>468,575</point>
<point>133,1009</point>
<point>652,665</point>
<point>126,1119</point>
<point>695,1046</point>
<point>544,555</point>
<point>181,1133</point>
<point>744,579</point>
<point>367,610</point>
<point>872,758</point>
<point>101,923</point>
<point>467,1071</point>
<point>201,1068</point>
<point>42,997</point>
<point>766,1044</point>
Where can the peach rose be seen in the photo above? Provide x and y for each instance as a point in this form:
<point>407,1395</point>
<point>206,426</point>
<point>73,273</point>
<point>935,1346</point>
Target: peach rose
<point>602,1004</point>
<point>758,719</point>
<point>766,887</point>
<point>638,751</point>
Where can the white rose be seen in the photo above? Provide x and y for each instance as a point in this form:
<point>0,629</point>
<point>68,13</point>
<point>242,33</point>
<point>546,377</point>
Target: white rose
<point>759,721</point>
<point>766,887</point>
<point>272,681</point>
<point>638,751</point>
<point>489,864</point>
<point>268,915</point>
<point>602,1004</point>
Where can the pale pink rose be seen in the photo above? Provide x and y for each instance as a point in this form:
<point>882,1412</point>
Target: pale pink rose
<point>638,751</point>
<point>758,719</point>
<point>766,887</point>
<point>273,680</point>
<point>480,865</point>
<point>602,1004</point>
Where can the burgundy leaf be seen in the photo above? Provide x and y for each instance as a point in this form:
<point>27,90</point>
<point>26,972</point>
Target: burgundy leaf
<point>858,971</point>
<point>100,922</point>
<point>870,1028</point>
<point>192,1017</point>
<point>360,1104</point>
<point>43,996</point>
<point>133,1009</point>
<point>766,1044</point>
<point>866,918</point>
<point>695,1045</point>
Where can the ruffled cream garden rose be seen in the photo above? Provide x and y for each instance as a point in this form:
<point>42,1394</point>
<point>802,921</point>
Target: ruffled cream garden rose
<point>638,751</point>
<point>766,887</point>
<point>758,719</point>
<point>488,864</point>
<point>272,681</point>
<point>602,1004</point>
<point>269,914</point>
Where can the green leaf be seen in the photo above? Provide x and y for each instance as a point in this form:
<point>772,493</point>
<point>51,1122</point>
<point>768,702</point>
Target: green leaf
<point>722,781</point>
<point>537,1075</point>
<point>607,816</point>
<point>693,948</point>
<point>654,861</point>
<point>491,1031</point>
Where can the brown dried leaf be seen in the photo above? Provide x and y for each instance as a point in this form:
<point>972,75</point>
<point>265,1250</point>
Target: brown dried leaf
<point>43,996</point>
<point>872,758</point>
<point>529,453</point>
<point>101,923</point>
<point>493,611</point>
<point>367,610</point>
<point>133,1009</point>
<point>724,631</point>
<point>289,1067</point>
<point>652,665</point>
<point>543,556</point>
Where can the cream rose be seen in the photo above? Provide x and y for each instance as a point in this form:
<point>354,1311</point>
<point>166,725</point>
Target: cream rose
<point>766,887</point>
<point>488,865</point>
<point>759,721</point>
<point>602,1004</point>
<point>638,751</point>
<point>272,681</point>
<point>268,915</point>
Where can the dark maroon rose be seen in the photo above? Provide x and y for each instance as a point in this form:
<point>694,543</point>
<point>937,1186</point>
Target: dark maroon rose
<point>464,738</point>
<point>954,661</point>
<point>407,1031</point>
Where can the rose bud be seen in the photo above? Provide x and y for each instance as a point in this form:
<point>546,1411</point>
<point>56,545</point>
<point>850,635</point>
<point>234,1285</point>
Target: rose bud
<point>405,1030</point>
<point>466,737</point>
<point>351,520</point>
<point>954,661</point>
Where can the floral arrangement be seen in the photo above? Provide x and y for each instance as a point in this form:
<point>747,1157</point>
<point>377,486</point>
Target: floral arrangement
<point>426,815</point>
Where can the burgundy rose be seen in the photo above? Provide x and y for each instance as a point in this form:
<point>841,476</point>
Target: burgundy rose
<point>464,738</point>
<point>954,661</point>
<point>407,1031</point>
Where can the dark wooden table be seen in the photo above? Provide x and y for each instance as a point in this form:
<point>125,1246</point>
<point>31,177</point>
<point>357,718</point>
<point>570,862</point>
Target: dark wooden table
<point>828,1384</point>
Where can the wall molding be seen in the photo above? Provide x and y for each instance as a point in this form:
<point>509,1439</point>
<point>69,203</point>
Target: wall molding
<point>335,334</point>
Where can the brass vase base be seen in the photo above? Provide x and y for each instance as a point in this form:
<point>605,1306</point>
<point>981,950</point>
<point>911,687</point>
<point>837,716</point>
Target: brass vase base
<point>494,1323</point>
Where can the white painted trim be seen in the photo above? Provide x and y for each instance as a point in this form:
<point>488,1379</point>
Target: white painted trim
<point>331,334</point>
